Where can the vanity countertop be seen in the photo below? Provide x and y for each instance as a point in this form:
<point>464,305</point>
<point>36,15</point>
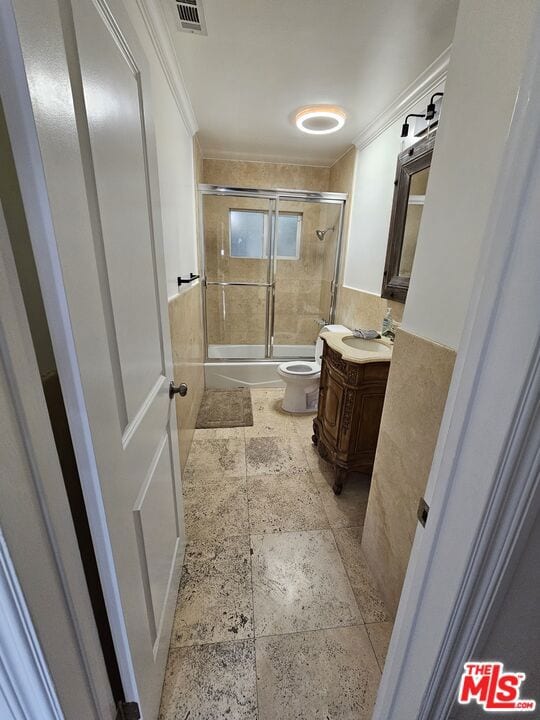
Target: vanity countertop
<point>357,350</point>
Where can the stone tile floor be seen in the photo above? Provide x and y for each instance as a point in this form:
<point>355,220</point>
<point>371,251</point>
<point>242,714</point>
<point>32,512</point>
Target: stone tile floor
<point>278,617</point>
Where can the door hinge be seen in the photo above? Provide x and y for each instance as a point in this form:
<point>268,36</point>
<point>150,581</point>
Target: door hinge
<point>422,512</point>
<point>128,711</point>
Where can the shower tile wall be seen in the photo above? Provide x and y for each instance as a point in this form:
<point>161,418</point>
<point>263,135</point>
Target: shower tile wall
<point>356,308</point>
<point>185,319</point>
<point>235,173</point>
<point>299,282</point>
<point>237,315</point>
<point>341,179</point>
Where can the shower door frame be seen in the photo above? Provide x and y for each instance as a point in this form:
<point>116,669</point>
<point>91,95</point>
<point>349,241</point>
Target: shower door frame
<point>276,195</point>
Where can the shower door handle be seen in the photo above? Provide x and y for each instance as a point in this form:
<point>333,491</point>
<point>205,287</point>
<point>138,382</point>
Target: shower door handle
<point>181,389</point>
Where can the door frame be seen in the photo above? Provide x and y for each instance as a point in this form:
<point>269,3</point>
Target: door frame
<point>26,686</point>
<point>51,667</point>
<point>484,486</point>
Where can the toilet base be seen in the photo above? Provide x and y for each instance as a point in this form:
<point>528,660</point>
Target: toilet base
<point>301,398</point>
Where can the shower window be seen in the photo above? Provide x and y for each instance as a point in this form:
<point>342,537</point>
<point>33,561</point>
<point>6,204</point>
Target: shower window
<point>250,237</point>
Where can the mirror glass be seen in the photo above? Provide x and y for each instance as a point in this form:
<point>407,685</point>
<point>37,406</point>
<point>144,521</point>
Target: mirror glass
<point>415,206</point>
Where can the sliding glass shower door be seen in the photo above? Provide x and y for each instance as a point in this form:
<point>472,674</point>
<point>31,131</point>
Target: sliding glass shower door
<point>237,237</point>
<point>269,265</point>
<point>304,270</point>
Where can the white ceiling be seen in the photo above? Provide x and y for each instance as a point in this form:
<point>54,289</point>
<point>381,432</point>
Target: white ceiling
<point>262,59</point>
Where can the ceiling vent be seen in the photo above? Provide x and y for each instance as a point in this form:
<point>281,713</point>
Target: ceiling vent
<point>190,16</point>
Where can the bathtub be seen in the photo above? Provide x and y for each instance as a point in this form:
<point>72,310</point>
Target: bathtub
<point>228,373</point>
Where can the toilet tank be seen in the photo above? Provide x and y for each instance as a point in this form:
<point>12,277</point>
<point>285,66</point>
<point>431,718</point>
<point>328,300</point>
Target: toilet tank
<point>319,343</point>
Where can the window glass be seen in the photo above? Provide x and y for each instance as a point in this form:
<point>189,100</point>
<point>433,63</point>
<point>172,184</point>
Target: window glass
<point>288,238</point>
<point>248,233</point>
<point>250,236</point>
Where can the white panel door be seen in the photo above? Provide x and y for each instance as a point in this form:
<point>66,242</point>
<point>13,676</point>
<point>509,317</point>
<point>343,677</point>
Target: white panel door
<point>114,283</point>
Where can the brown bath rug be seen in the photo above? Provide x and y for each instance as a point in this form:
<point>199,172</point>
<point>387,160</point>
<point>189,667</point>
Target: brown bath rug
<point>225,409</point>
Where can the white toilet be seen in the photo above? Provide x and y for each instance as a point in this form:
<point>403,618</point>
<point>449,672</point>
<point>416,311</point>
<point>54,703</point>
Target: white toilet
<point>302,378</point>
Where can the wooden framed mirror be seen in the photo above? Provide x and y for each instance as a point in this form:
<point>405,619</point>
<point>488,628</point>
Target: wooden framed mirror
<point>412,175</point>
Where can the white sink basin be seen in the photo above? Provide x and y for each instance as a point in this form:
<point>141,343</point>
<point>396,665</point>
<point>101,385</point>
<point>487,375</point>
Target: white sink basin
<point>365,345</point>
<point>357,350</point>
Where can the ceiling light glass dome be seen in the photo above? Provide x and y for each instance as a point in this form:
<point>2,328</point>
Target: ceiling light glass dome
<point>320,119</point>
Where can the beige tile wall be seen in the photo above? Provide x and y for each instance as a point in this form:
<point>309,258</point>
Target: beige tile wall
<point>420,375</point>
<point>358,309</point>
<point>236,315</point>
<point>299,302</point>
<point>265,175</point>
<point>341,179</point>
<point>185,319</point>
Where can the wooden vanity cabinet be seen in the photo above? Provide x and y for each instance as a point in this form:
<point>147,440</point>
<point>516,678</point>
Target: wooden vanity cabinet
<point>351,397</point>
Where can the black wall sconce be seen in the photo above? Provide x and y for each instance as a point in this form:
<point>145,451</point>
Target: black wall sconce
<point>405,127</point>
<point>431,109</point>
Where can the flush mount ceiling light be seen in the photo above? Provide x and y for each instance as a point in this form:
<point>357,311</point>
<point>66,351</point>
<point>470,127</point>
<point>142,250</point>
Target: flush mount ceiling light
<point>320,119</point>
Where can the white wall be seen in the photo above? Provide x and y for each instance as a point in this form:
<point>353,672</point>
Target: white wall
<point>175,167</point>
<point>481,88</point>
<point>372,206</point>
<point>177,192</point>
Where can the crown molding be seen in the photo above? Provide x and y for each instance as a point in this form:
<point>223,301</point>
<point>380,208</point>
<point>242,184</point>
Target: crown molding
<point>424,84</point>
<point>155,20</point>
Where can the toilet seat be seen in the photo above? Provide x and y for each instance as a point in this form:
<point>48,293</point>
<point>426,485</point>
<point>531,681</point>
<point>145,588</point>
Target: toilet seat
<point>300,368</point>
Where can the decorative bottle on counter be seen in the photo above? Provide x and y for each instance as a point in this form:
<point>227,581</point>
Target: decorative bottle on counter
<point>387,323</point>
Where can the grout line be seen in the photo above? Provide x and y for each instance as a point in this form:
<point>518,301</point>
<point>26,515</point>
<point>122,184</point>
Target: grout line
<point>357,603</point>
<point>292,532</point>
<point>211,644</point>
<point>218,539</point>
<point>214,541</point>
<point>381,668</point>
<point>310,630</point>
<point>274,635</point>
<point>252,592</point>
<point>346,572</point>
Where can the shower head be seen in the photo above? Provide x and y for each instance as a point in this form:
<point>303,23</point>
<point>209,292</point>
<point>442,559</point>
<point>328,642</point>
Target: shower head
<point>321,233</point>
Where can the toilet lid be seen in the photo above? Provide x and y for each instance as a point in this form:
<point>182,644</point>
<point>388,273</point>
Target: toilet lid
<point>300,368</point>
